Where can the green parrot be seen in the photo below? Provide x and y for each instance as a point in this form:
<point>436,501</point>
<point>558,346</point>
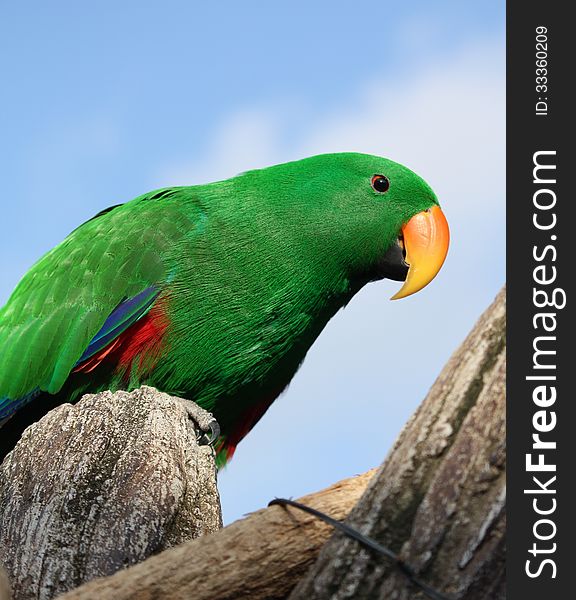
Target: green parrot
<point>213,293</point>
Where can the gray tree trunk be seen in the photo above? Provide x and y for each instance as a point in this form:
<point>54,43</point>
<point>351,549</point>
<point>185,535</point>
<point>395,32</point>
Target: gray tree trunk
<point>439,498</point>
<point>101,485</point>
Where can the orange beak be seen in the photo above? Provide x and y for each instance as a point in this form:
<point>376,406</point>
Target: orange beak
<point>426,239</point>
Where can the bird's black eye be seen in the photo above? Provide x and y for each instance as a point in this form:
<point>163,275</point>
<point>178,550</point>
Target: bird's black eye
<point>380,183</point>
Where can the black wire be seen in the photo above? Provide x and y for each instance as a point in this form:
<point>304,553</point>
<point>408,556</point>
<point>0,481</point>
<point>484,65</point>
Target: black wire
<point>366,542</point>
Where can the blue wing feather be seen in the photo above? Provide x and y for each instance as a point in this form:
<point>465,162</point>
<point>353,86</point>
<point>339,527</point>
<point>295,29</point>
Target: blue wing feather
<point>124,315</point>
<point>8,406</point>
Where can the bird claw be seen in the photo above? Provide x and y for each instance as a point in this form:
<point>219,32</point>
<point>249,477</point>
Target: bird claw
<point>207,438</point>
<point>207,427</point>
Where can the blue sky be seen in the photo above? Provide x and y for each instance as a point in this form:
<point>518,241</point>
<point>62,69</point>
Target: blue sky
<point>104,102</point>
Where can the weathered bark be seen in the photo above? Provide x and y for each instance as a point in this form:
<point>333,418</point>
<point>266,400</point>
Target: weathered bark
<point>4,586</point>
<point>100,485</point>
<point>439,498</point>
<point>259,557</point>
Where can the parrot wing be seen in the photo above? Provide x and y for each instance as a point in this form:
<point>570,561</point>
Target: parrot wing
<point>85,292</point>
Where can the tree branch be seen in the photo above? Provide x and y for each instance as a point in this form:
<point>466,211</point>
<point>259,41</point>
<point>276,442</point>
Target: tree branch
<point>259,557</point>
<point>439,498</point>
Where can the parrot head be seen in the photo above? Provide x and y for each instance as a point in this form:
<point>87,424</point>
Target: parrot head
<point>375,217</point>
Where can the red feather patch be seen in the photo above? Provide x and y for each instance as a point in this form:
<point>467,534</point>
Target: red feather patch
<point>226,446</point>
<point>138,347</point>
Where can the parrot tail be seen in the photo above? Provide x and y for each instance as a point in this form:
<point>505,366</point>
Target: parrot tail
<point>8,406</point>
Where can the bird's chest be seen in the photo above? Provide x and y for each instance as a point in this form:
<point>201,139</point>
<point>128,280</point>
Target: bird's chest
<point>243,346</point>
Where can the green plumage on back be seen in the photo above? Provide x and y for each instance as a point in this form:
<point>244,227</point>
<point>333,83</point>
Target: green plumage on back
<point>214,293</point>
<point>66,296</point>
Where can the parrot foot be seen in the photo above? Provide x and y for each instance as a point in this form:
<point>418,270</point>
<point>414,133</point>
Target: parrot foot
<point>207,424</point>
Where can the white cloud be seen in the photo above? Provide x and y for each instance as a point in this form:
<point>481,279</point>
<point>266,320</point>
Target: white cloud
<point>446,123</point>
<point>245,140</point>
